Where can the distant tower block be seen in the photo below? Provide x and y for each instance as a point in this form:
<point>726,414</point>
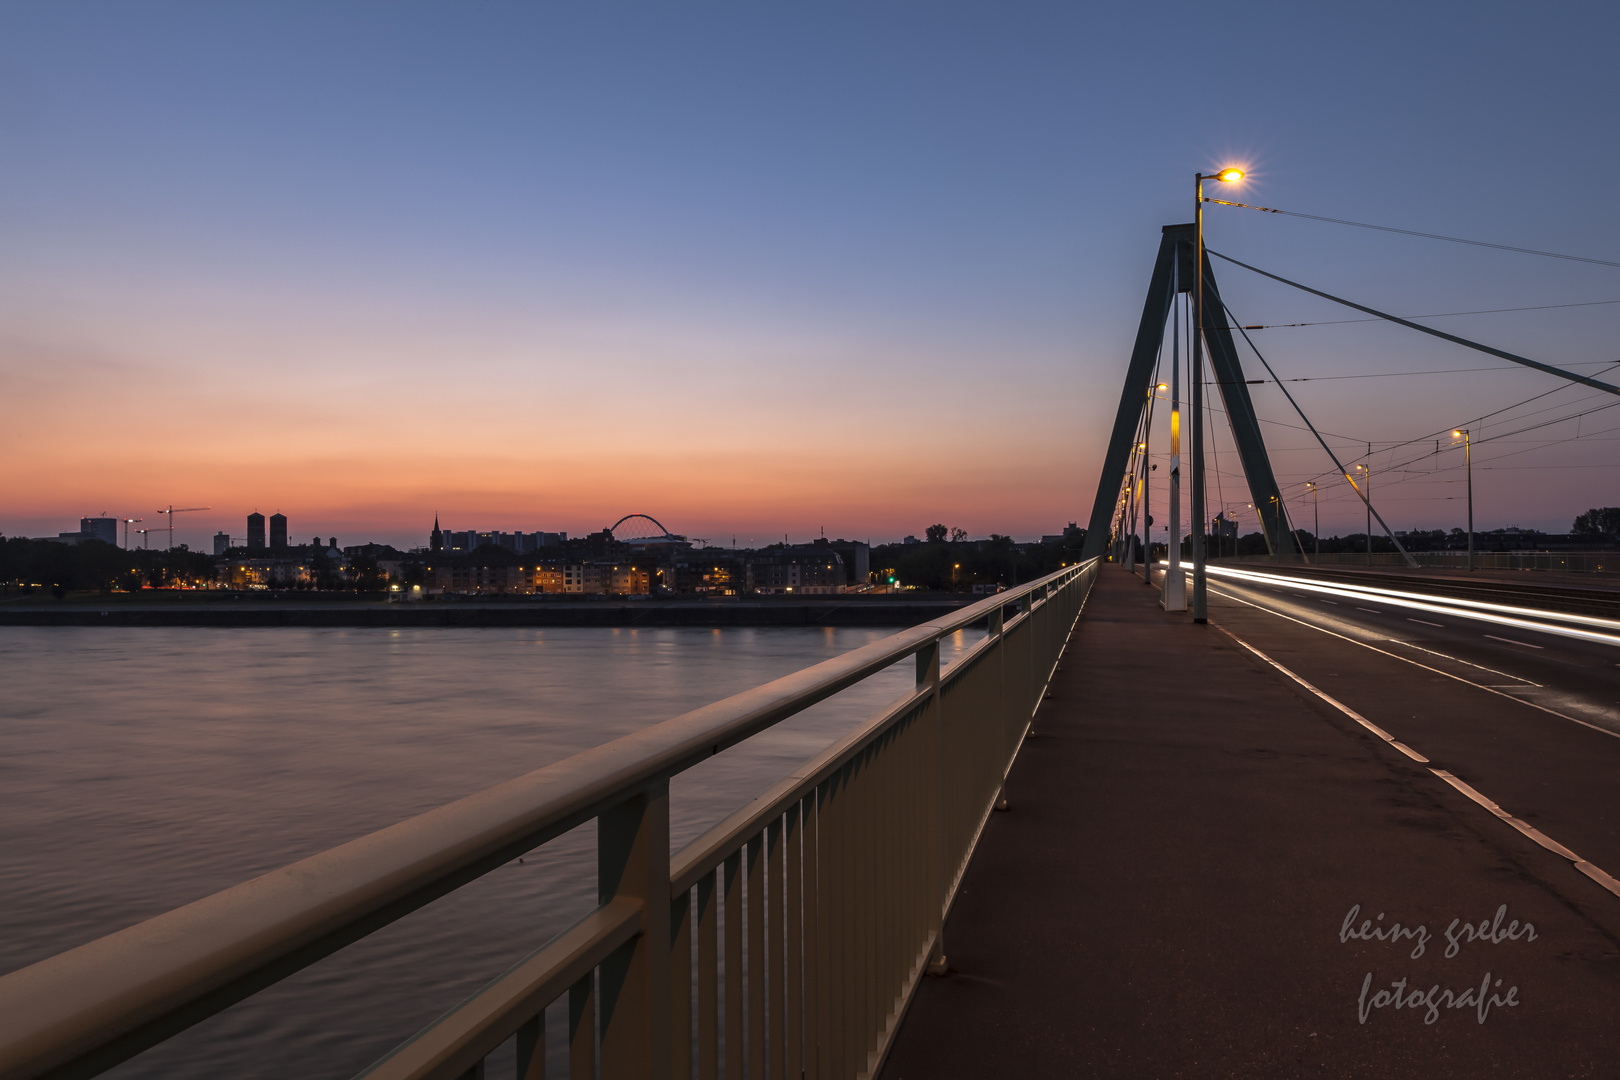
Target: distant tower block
<point>222,543</point>
<point>278,530</point>
<point>256,531</point>
<point>101,528</point>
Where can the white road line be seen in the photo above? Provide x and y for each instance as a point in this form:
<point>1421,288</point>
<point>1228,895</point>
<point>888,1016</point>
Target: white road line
<point>1510,641</point>
<point>1337,704</point>
<point>1426,622</point>
<point>1335,603</point>
<point>1375,611</point>
<point>1598,875</point>
<point>1460,660</point>
<point>1425,667</point>
<point>1595,873</point>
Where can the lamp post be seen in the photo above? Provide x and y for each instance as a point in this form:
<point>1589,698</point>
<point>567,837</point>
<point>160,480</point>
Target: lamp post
<point>1196,370</point>
<point>1468,461</point>
<point>1316,518</point>
<point>1367,471</point>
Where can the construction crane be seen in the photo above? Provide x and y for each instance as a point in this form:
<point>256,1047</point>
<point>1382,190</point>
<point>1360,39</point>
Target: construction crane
<point>144,534</point>
<point>127,523</point>
<point>173,510</point>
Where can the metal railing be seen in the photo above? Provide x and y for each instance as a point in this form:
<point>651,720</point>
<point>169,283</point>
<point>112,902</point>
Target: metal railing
<point>785,941</point>
<point>1575,562</point>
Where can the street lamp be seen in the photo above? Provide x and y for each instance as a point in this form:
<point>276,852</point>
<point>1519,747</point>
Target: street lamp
<point>1228,175</point>
<point>1468,460</point>
<point>1367,471</point>
<point>1316,517</point>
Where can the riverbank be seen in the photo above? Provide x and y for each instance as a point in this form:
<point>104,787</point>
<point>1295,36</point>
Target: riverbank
<point>271,611</point>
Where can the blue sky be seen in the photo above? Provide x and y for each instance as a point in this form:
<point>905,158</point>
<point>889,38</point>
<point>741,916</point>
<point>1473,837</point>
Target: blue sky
<point>759,270</point>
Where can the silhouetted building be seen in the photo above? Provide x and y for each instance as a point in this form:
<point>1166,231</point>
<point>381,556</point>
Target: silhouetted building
<point>857,558</point>
<point>255,537</point>
<point>222,543</point>
<point>278,530</point>
<point>104,529</point>
<point>799,571</point>
<point>436,540</point>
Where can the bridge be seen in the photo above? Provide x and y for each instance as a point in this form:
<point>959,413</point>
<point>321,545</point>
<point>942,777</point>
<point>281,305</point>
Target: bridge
<point>1331,820</point>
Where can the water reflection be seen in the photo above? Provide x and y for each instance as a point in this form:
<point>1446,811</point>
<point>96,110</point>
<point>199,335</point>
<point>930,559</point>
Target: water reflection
<point>144,768</point>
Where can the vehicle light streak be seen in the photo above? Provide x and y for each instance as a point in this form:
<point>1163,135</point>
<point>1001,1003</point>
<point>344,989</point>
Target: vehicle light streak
<point>1545,622</point>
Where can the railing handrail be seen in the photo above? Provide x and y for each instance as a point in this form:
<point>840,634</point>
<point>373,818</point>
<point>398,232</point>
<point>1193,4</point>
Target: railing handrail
<point>100,1003</point>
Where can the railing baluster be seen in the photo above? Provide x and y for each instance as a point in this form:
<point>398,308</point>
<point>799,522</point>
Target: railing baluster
<point>837,997</point>
<point>582,1029</point>
<point>812,1036</point>
<point>793,971</point>
<point>755,957</point>
<point>734,967</point>
<point>776,910</point>
<point>531,1049</point>
<point>680,986</point>
<point>708,980</point>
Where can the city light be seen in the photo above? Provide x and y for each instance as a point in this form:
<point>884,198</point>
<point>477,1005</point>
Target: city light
<point>1230,176</point>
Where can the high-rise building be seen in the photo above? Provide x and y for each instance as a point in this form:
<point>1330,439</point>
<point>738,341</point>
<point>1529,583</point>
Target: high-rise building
<point>278,531</point>
<point>255,535</point>
<point>104,529</point>
<point>222,543</point>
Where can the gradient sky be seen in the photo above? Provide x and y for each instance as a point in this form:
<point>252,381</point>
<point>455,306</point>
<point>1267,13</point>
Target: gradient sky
<point>763,269</point>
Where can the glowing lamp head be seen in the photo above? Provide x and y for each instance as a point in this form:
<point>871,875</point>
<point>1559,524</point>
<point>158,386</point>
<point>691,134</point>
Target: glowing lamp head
<point>1163,387</point>
<point>1456,434</point>
<point>1229,176</point>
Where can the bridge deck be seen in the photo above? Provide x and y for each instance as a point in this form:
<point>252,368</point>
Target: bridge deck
<point>1188,830</point>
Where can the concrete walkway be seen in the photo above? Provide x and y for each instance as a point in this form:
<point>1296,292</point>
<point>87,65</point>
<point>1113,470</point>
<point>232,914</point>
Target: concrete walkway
<point>1189,830</point>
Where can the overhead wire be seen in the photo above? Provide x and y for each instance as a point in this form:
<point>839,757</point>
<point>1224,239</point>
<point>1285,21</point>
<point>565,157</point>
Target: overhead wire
<point>1414,232</point>
<point>1441,315</point>
<point>1571,376</point>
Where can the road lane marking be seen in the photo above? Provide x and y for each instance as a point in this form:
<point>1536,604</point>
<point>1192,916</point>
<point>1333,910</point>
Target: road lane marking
<point>1460,660</point>
<point>1335,702</point>
<point>1595,873</point>
<point>1598,875</point>
<point>1425,667</point>
<point>1426,622</point>
<point>1510,641</point>
<point>1375,611</point>
<point>1335,603</point>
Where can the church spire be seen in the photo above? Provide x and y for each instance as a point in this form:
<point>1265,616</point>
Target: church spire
<point>436,543</point>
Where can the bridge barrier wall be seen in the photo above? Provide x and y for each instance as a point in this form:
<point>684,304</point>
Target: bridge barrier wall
<point>785,941</point>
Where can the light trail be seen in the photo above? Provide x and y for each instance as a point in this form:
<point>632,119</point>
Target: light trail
<point>1559,623</point>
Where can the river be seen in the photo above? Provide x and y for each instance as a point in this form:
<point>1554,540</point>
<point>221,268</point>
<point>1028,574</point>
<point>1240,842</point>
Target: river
<point>145,768</point>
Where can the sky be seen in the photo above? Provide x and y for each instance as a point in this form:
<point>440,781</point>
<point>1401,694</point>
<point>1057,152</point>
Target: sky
<point>768,270</point>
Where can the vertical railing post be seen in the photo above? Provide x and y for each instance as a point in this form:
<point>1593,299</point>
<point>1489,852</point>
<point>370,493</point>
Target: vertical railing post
<point>1026,678</point>
<point>632,861</point>
<point>1009,739</point>
<point>928,678</point>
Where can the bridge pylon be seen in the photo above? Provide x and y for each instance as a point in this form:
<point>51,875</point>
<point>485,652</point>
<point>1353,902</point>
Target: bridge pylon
<point>1172,273</point>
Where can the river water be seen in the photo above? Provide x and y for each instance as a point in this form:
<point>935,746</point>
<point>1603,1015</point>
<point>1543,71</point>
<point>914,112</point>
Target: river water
<point>145,768</point>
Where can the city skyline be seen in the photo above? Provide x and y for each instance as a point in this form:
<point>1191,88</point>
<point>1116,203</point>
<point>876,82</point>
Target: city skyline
<point>552,267</point>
